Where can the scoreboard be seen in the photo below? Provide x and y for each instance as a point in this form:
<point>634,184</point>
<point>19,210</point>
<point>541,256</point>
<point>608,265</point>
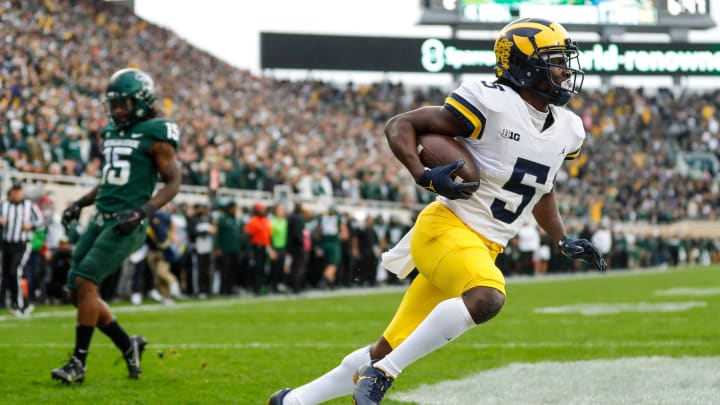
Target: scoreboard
<point>577,15</point>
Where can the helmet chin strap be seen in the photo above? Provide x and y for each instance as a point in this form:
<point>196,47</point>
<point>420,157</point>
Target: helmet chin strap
<point>555,96</point>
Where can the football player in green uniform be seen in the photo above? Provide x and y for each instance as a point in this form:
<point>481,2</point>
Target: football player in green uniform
<point>138,147</point>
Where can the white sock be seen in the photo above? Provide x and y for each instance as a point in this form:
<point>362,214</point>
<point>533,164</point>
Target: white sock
<point>335,383</point>
<point>175,290</point>
<point>448,320</point>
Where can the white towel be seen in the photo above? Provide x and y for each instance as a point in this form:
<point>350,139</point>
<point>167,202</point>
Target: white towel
<point>398,260</point>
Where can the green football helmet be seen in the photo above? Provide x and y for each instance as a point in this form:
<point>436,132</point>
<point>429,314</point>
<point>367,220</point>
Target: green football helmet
<point>129,97</point>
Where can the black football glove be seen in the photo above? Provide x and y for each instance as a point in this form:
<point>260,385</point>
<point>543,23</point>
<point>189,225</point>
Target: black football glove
<point>72,213</point>
<point>130,220</point>
<point>582,249</point>
<point>439,180</point>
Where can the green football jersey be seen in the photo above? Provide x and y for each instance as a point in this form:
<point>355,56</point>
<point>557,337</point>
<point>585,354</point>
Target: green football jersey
<point>129,174</point>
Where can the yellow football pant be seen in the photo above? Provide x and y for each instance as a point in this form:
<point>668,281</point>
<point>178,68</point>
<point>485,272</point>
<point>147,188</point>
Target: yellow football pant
<point>451,258</point>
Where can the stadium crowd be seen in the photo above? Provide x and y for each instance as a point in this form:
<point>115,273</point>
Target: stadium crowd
<point>648,155</point>
<point>211,250</point>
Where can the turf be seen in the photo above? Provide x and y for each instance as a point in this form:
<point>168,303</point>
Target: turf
<point>238,351</point>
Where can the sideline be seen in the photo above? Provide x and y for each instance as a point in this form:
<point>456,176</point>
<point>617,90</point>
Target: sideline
<point>43,312</point>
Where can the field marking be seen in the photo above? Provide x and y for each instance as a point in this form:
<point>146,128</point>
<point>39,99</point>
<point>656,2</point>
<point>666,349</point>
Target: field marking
<point>626,381</point>
<point>317,294</point>
<point>695,292</point>
<point>214,303</point>
<point>616,308</point>
<point>350,345</point>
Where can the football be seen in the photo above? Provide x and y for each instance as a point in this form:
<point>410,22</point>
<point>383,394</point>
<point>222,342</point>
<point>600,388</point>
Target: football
<point>435,150</point>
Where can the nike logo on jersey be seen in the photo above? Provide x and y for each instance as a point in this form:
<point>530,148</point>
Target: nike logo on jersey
<point>506,133</point>
<point>563,151</point>
<point>136,136</point>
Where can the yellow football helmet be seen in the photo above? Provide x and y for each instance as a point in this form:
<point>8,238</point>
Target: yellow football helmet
<point>526,50</point>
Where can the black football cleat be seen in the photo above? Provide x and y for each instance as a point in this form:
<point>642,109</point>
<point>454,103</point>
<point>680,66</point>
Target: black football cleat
<point>134,356</point>
<point>277,397</point>
<point>72,372</point>
<point>371,385</point>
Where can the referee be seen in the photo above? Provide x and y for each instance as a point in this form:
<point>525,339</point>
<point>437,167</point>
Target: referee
<point>18,218</point>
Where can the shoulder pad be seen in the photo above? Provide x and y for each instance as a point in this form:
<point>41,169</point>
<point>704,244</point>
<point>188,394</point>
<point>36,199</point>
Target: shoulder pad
<point>159,129</point>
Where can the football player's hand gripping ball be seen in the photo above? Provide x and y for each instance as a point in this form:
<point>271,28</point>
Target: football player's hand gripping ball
<point>439,180</point>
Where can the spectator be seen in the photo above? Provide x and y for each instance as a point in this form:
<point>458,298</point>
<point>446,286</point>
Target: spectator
<point>59,267</point>
<point>161,253</point>
<point>367,251</point>
<point>259,231</point>
<point>528,243</point>
<point>602,239</point>
<point>330,229</point>
<point>201,231</point>
<point>180,268</point>
<point>228,243</point>
<point>541,257</point>
<point>279,237</point>
<point>296,248</point>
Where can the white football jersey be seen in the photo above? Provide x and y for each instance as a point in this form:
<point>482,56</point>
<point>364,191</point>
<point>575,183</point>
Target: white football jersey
<point>517,162</point>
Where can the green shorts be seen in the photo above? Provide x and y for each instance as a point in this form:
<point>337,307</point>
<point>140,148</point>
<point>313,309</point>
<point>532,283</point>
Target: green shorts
<point>331,251</point>
<point>100,251</point>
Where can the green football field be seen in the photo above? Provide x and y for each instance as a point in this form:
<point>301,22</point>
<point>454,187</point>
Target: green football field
<point>634,337</point>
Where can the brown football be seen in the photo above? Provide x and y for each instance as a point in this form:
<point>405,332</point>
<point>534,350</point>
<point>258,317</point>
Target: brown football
<point>435,150</point>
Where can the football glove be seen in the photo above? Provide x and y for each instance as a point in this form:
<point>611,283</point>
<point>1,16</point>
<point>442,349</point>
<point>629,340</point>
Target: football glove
<point>439,180</point>
<point>72,213</point>
<point>582,249</point>
<point>130,220</point>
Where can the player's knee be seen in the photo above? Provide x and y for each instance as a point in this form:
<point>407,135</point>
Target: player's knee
<point>483,303</point>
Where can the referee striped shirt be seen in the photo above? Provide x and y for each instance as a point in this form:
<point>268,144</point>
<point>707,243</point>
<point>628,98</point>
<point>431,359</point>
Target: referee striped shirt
<point>17,214</point>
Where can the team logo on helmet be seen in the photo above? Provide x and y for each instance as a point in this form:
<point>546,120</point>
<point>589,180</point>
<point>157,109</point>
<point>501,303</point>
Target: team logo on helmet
<point>502,53</point>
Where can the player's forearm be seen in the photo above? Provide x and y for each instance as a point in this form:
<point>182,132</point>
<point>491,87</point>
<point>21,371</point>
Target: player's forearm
<point>165,194</point>
<point>401,137</point>
<point>89,198</point>
<point>547,215</point>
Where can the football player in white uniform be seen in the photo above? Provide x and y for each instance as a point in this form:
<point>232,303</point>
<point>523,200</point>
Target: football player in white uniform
<point>519,134</point>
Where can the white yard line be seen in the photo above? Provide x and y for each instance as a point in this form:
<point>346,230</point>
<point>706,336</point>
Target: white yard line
<point>603,308</point>
<point>689,291</point>
<point>627,381</point>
